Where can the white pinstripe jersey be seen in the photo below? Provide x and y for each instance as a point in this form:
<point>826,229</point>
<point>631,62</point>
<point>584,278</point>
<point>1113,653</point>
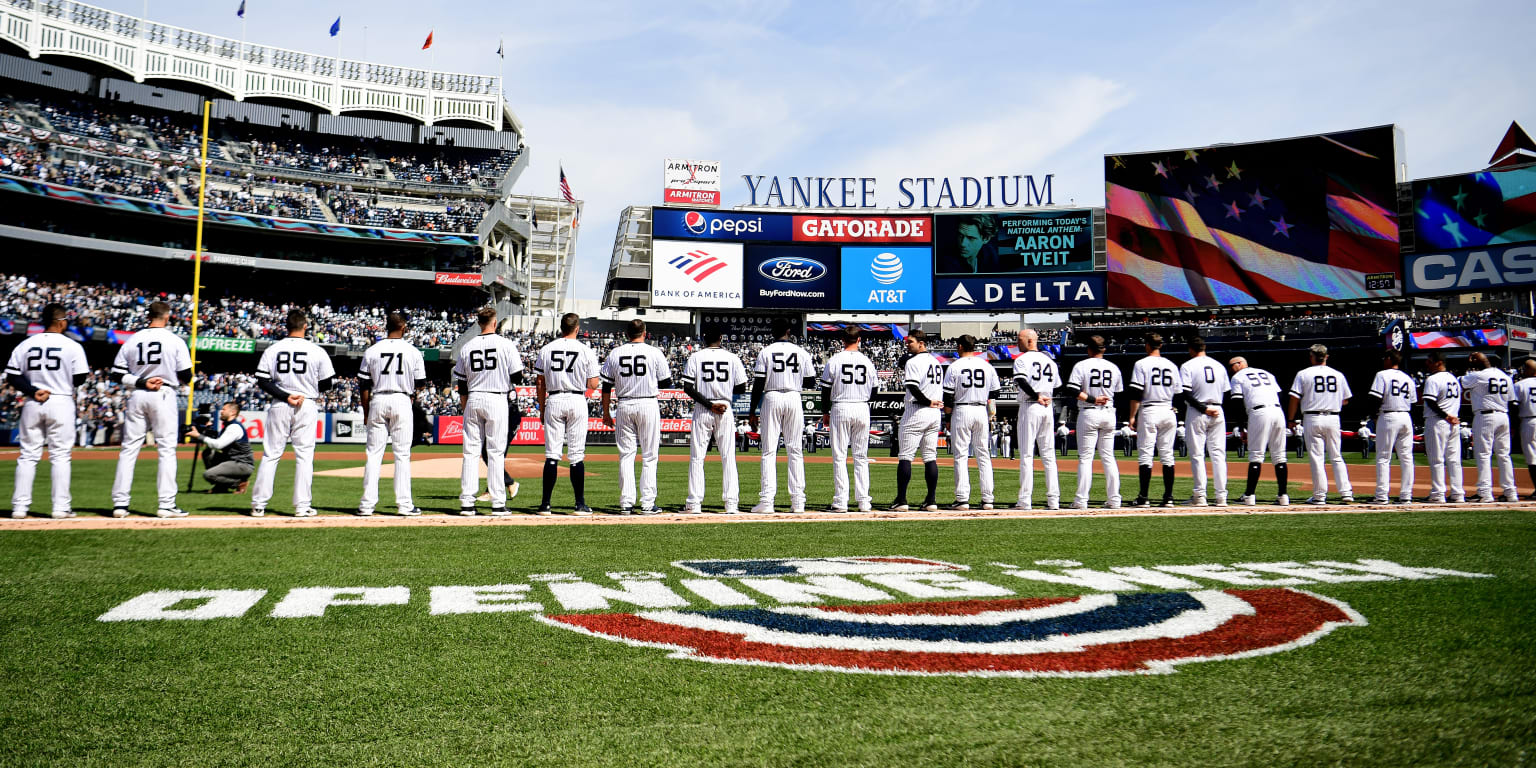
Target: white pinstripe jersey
<point>851,377</point>
<point>715,373</point>
<point>487,363</point>
<point>635,369</point>
<point>296,366</point>
<point>566,365</point>
<point>392,365</point>
<point>153,352</point>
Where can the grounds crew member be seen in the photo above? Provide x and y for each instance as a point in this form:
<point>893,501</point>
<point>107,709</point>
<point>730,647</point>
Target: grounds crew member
<point>227,458</point>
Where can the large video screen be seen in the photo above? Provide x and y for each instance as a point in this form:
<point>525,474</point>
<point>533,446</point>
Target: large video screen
<point>1013,243</point>
<point>1475,231</point>
<point>1275,222</point>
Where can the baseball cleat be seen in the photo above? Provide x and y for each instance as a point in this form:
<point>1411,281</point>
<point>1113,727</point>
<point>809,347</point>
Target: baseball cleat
<point>1346,499</point>
<point>409,513</point>
<point>987,505</point>
<point>1199,501</point>
<point>543,510</point>
<point>865,508</point>
<point>1141,501</point>
<point>838,510</point>
<point>650,510</point>
<point>166,513</point>
<point>119,512</point>
<point>513,489</point>
<point>1316,502</point>
<point>962,506</point>
<point>798,509</point>
<point>65,515</point>
<point>255,512</point>
<point>1052,505</point>
<point>690,509</point>
<point>1283,500</point>
<point>1513,498</point>
<point>1434,499</point>
<point>900,508</point>
<point>582,510</point>
<point>762,509</point>
<point>1459,500</point>
<point>18,514</point>
<point>500,511</point>
<point>1221,501</point>
<point>1111,505</point>
<point>1380,500</point>
<point>1023,505</point>
<point>930,507</point>
<point>1485,499</point>
<point>305,513</point>
<point>1168,502</point>
<point>467,511</point>
<point>484,496</point>
<point>1249,501</point>
<point>730,510</point>
<point>365,513</point>
<point>1079,505</point>
<point>1405,500</point>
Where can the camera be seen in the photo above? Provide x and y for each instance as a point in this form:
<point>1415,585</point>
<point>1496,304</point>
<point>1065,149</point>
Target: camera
<point>202,419</point>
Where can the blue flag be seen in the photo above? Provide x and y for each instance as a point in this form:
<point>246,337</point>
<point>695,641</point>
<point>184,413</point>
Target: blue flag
<point>241,11</point>
<point>336,27</point>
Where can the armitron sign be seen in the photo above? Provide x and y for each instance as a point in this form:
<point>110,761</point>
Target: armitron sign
<point>692,182</point>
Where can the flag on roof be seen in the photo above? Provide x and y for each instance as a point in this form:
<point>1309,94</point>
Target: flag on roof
<point>336,27</point>
<point>428,43</point>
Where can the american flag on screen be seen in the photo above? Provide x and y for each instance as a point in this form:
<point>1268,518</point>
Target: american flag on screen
<point>1278,222</point>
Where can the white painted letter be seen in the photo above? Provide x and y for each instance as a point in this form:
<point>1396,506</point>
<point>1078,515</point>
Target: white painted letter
<point>938,585</point>
<point>220,604</point>
<point>585,596</point>
<point>815,589</point>
<point>302,602</point>
<point>497,598</point>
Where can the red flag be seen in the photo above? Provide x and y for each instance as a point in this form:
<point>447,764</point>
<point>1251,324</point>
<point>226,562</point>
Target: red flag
<point>428,43</point>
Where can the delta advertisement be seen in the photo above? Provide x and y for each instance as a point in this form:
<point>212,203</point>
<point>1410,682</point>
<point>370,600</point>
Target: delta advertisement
<point>874,263</point>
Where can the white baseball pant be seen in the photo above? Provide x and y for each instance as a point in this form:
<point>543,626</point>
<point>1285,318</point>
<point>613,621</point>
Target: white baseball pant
<point>782,415</point>
<point>968,435</point>
<point>1490,443</point>
<point>1037,435</point>
<point>1394,433</point>
<point>637,428</point>
<point>1321,431</point>
<point>565,426</point>
<point>1206,435</point>
<point>154,412</point>
<point>485,426</point>
<point>1442,441</point>
<point>920,434</point>
<point>1155,429</point>
<point>1528,440</point>
<point>389,420</point>
<point>288,425</point>
<point>1096,434</point>
<point>720,429</point>
<point>850,433</point>
<point>1266,433</point>
<point>52,424</point>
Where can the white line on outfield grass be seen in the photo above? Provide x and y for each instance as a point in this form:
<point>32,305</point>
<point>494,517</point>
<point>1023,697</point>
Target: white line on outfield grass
<point>388,521</point>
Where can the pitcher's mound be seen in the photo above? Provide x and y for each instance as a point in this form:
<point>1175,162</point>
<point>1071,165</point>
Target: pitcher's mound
<point>448,467</point>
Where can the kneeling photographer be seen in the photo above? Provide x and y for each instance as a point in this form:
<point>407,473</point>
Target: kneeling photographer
<point>227,457</point>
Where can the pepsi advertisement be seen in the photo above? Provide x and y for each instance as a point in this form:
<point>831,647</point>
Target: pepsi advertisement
<point>670,223</point>
<point>792,276</point>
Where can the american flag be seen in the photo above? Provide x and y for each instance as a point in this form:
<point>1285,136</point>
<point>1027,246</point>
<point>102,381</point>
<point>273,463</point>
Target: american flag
<point>1290,221</point>
<point>565,187</point>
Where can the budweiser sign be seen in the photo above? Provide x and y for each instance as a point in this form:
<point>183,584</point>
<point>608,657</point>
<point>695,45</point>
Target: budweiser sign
<point>456,278</point>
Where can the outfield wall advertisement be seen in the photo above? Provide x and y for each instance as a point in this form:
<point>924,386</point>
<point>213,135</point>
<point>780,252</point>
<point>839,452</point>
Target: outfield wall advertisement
<point>853,263</point>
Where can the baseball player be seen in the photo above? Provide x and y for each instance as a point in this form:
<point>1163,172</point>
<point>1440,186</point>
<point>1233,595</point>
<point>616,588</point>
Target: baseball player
<point>848,380</point>
<point>1036,376</point>
<point>635,373</point>
<point>1093,383</point>
<point>46,369</point>
<point>565,369</point>
<point>1258,392</point>
<point>1394,393</point>
<point>1491,393</point>
<point>782,371</point>
<point>488,368</point>
<point>1155,384</point>
<point>1206,386</point>
<point>970,395</point>
<point>152,364</point>
<point>923,380</point>
<point>1442,430</point>
<point>1525,395</point>
<point>1321,393</point>
<point>713,377</point>
<point>391,372</point>
<point>293,371</point>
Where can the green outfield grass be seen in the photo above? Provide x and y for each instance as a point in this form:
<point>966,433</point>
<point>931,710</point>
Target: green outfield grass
<point>92,483</point>
<point>1444,674</point>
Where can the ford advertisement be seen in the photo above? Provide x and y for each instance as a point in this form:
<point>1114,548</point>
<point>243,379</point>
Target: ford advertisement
<point>799,276</point>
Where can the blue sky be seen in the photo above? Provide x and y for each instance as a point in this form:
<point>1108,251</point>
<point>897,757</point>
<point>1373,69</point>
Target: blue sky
<point>902,88</point>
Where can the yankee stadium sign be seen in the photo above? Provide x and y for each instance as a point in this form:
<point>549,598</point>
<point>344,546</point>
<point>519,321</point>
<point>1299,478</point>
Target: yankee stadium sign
<point>886,614</point>
<point>911,192</point>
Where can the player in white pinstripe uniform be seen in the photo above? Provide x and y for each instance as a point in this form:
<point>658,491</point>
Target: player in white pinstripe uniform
<point>923,379</point>
<point>1491,393</point>
<point>1394,393</point>
<point>1156,386</point>
<point>293,371</point>
<point>46,368</point>
<point>566,368</point>
<point>152,364</point>
<point>847,381</point>
<point>635,373</point>
<point>713,377</point>
<point>1321,392</point>
<point>391,372</point>
<point>1093,383</point>
<point>487,369</point>
<point>1525,395</point>
<point>970,395</point>
<point>1442,431</point>
<point>1206,386</point>
<point>782,371</point>
<point>1037,376</point>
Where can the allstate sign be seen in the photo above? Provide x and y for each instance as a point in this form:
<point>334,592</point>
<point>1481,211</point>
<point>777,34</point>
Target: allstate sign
<point>1002,292</point>
<point>719,225</point>
<point>800,276</point>
<point>1472,269</point>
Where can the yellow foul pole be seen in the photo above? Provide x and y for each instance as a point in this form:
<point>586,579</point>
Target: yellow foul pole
<point>197,259</point>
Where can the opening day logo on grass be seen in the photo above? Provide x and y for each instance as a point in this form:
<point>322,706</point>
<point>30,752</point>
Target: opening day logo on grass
<point>852,614</point>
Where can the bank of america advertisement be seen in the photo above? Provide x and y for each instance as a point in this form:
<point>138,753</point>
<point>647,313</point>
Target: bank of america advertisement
<point>1019,243</point>
<point>693,275</point>
<point>691,182</point>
